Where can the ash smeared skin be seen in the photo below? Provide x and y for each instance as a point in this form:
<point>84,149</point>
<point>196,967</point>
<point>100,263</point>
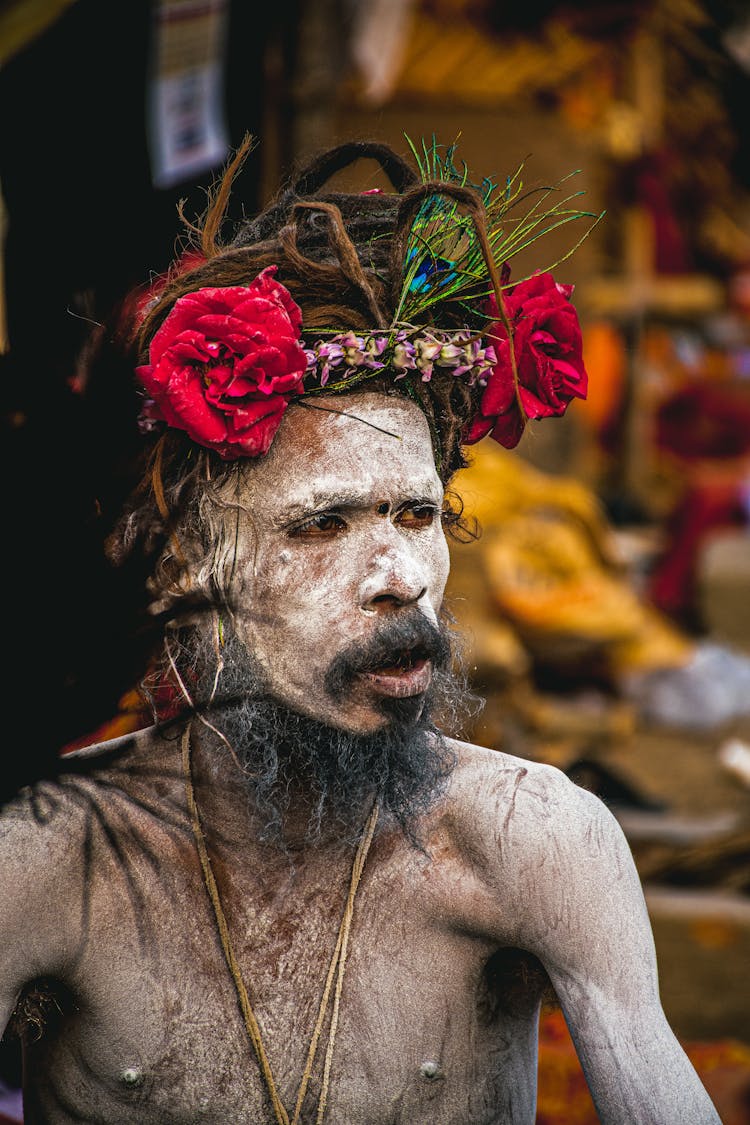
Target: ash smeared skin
<point>314,594</point>
<point>102,895</point>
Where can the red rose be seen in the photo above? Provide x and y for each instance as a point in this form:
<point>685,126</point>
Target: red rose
<point>549,360</point>
<point>225,363</point>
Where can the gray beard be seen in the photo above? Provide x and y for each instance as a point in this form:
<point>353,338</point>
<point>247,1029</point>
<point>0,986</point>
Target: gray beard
<point>291,763</point>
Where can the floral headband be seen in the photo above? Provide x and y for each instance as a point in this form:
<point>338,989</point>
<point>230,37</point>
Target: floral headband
<point>226,362</point>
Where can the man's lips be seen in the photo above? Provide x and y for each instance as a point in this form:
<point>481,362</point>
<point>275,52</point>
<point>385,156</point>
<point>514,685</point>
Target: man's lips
<point>400,682</point>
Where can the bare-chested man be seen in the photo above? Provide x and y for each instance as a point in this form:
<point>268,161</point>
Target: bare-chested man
<point>294,898</point>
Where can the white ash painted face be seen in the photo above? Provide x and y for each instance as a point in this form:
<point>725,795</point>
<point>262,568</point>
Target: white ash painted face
<point>341,528</point>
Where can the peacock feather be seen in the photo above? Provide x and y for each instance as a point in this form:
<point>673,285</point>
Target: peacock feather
<point>443,258</point>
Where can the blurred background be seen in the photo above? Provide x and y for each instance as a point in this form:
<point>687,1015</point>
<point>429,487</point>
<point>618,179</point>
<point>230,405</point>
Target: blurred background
<point>606,604</point>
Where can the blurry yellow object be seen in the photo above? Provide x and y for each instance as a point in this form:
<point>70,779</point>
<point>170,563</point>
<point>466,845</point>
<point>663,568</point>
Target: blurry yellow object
<point>548,565</point>
<point>497,654</point>
<point>655,644</point>
<point>23,21</point>
<point>545,576</point>
<point>499,483</point>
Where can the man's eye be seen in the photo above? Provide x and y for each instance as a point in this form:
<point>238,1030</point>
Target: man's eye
<point>416,516</point>
<point>319,527</point>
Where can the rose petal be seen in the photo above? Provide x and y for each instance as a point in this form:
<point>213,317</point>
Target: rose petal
<point>478,428</point>
<point>508,429</point>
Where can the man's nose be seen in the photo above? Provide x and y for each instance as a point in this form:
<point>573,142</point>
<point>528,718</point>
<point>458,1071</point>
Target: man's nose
<point>394,578</point>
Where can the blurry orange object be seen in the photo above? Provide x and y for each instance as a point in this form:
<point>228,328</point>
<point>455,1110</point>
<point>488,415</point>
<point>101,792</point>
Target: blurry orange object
<point>563,1097</point>
<point>131,716</point>
<point>604,356</point>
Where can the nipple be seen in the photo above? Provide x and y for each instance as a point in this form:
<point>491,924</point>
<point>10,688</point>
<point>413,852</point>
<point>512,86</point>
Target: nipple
<point>132,1077</point>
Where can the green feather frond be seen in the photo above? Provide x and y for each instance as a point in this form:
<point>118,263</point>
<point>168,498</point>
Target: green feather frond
<point>433,165</point>
<point>443,257</point>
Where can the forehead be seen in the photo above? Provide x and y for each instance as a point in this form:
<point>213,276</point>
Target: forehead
<point>354,449</point>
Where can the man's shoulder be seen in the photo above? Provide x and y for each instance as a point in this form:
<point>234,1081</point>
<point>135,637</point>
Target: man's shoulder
<point>529,803</point>
<point>528,831</point>
<point>53,811</point>
<point>480,767</point>
<point>130,748</point>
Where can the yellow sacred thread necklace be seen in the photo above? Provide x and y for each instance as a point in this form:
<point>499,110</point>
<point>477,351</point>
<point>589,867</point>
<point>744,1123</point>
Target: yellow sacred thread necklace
<point>335,969</point>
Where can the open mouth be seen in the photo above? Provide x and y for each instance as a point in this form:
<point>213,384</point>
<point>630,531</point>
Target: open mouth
<point>409,674</point>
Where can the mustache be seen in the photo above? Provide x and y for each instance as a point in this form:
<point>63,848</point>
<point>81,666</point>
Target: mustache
<point>408,637</point>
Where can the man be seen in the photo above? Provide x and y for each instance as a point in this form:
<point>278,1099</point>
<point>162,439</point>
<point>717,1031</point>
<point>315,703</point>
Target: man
<point>294,898</point>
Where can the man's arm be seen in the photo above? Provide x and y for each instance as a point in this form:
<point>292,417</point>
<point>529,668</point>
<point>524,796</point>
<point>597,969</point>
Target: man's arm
<point>38,887</point>
<point>581,911</point>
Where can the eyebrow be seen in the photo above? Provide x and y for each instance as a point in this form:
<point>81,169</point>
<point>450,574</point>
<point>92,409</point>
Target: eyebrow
<point>342,499</point>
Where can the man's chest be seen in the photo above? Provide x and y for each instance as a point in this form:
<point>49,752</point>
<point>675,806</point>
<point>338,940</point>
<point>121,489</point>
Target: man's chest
<point>416,1027</point>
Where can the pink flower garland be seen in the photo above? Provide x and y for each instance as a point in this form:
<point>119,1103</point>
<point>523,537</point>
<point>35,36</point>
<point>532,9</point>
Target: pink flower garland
<point>226,363</point>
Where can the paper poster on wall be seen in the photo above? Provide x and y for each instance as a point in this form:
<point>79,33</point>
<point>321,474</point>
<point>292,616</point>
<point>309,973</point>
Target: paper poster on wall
<point>186,123</point>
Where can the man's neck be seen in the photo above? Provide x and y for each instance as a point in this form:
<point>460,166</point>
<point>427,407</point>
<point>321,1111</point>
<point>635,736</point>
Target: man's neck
<point>290,779</point>
<point>226,802</point>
